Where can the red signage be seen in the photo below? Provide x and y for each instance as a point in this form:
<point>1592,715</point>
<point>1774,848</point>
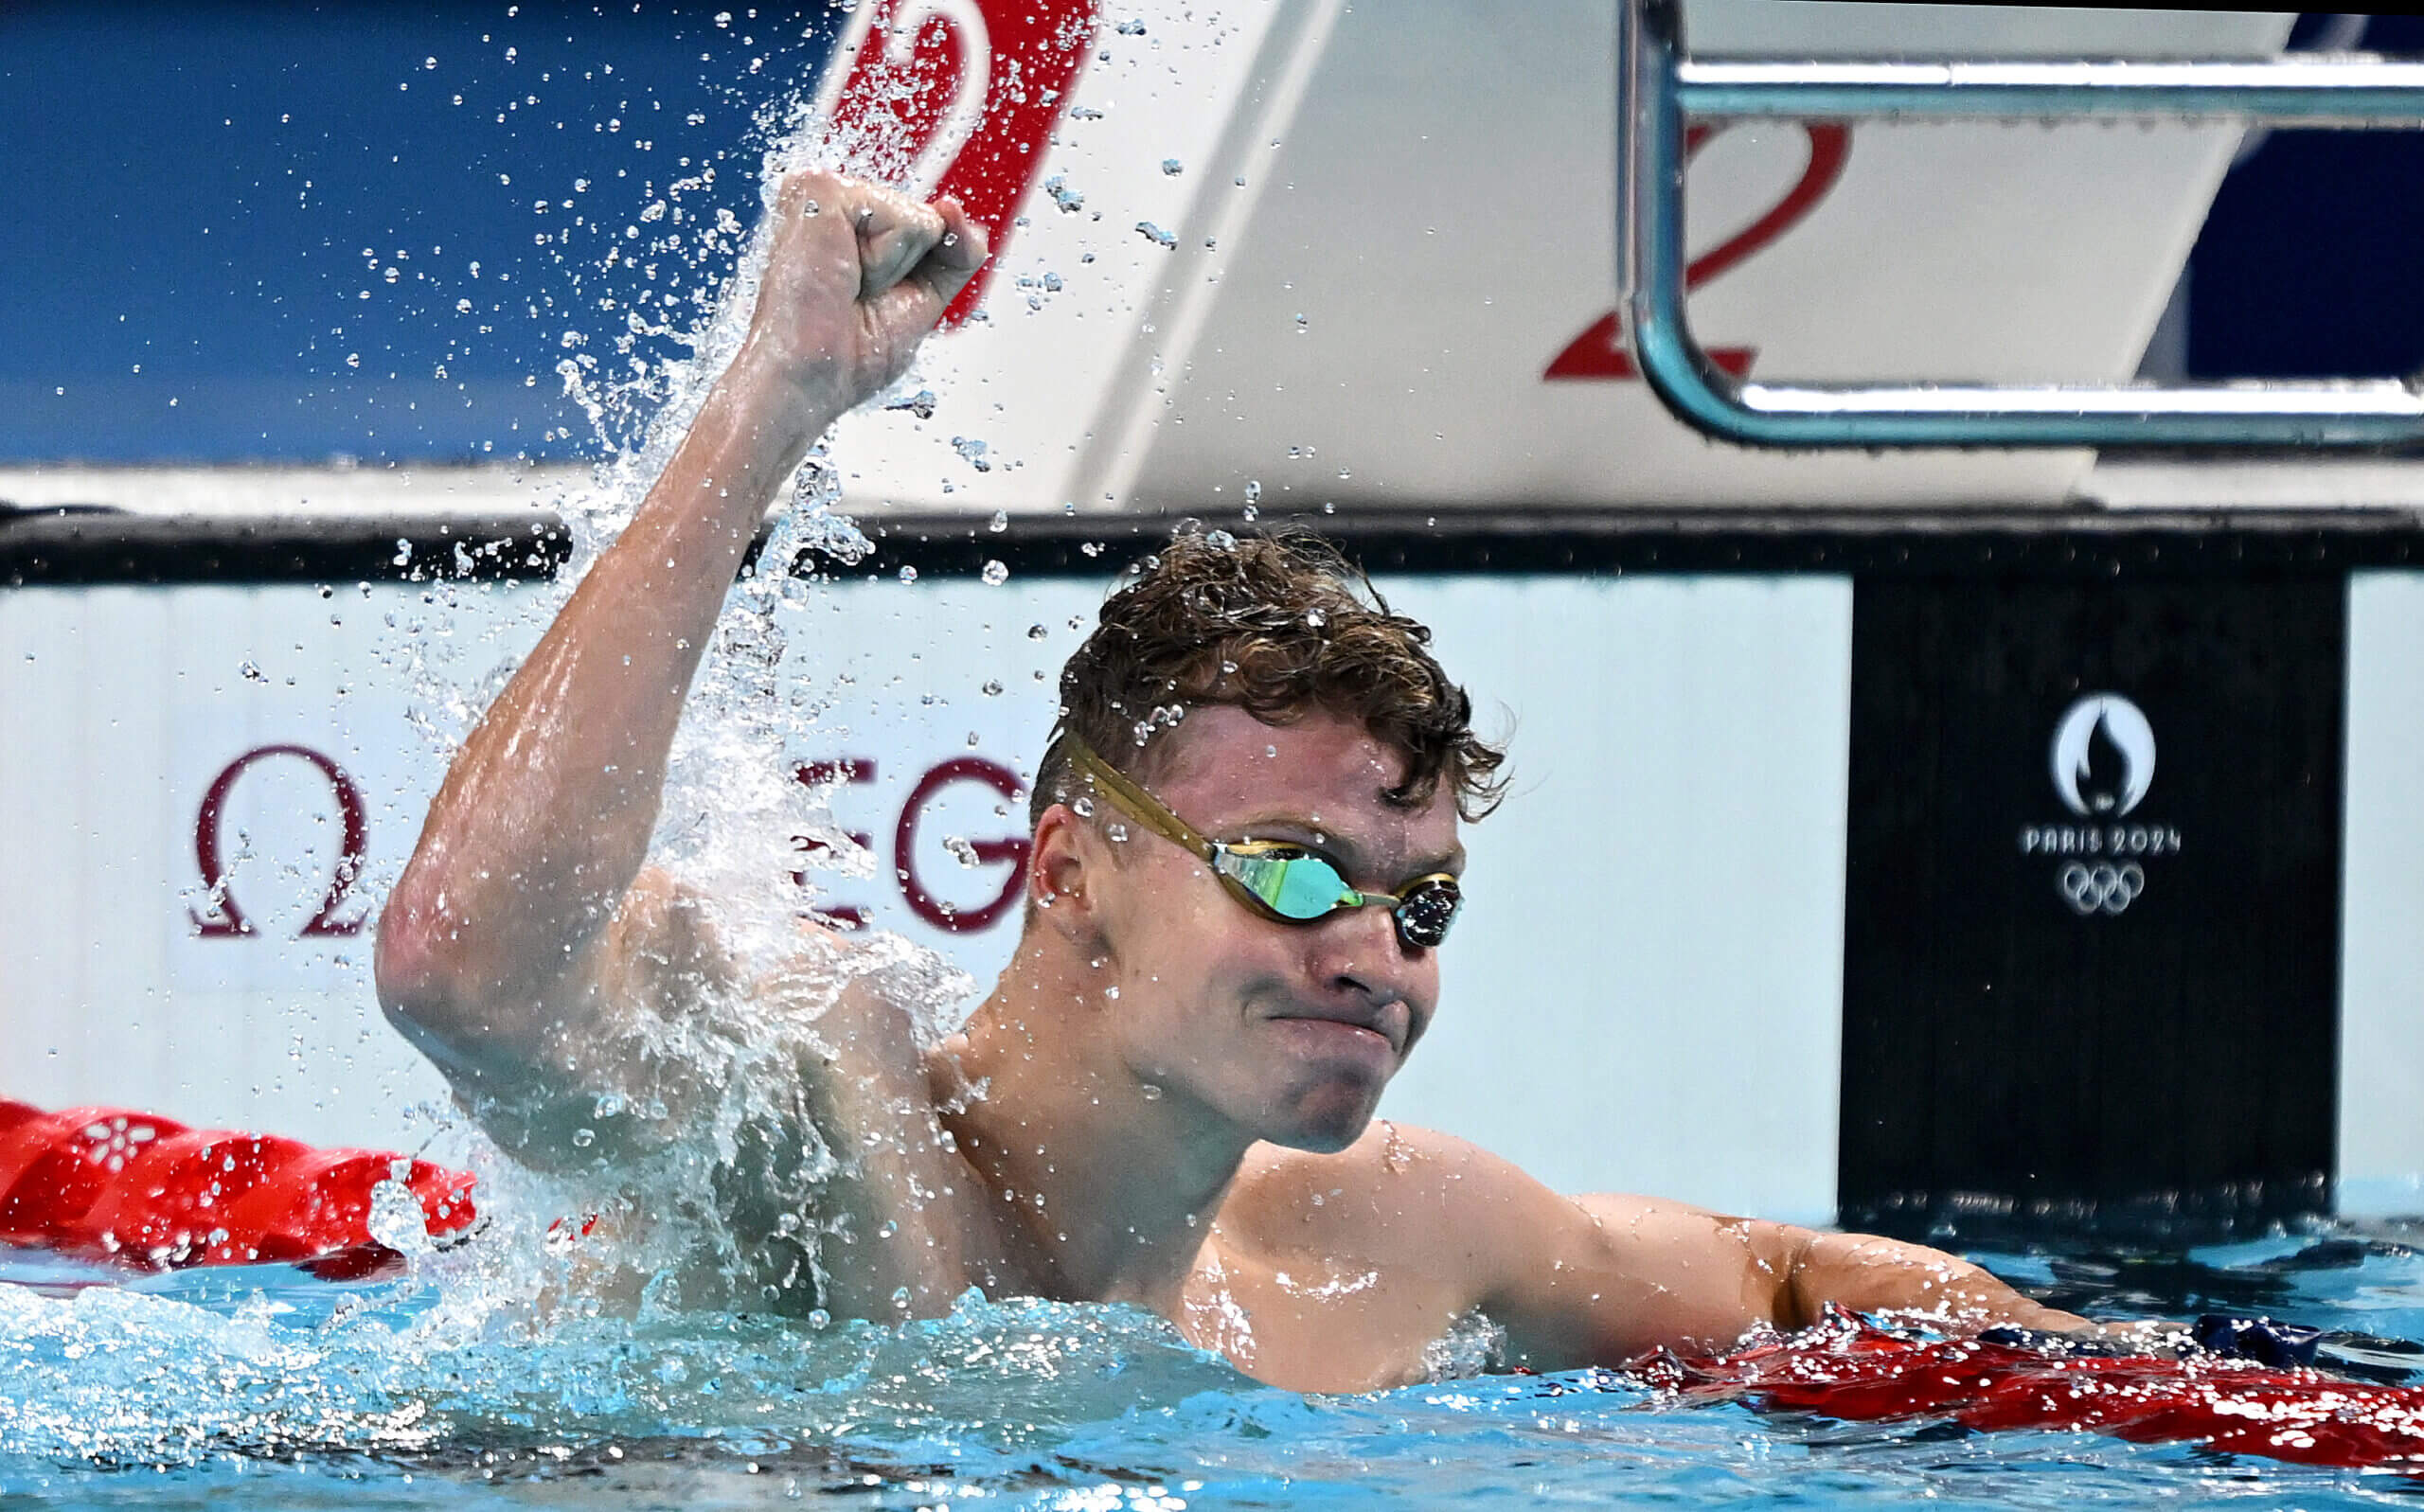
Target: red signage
<point>960,97</point>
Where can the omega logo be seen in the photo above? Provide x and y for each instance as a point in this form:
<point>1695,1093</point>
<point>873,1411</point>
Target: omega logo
<point>222,918</point>
<point>922,901</point>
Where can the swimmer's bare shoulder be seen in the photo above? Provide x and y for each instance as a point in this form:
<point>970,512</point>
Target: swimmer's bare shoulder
<point>1418,1230</point>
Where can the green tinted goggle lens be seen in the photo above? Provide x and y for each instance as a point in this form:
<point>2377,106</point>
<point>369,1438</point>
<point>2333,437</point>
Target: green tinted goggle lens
<point>1301,887</point>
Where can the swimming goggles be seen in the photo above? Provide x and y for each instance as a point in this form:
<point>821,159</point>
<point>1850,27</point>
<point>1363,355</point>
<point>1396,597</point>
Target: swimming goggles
<point>1279,879</point>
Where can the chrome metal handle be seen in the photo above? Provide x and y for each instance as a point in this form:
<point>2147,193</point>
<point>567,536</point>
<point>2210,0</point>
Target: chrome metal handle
<point>1658,86</point>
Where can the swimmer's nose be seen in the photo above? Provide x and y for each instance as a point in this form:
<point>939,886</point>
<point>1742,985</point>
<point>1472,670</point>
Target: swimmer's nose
<point>1369,969</point>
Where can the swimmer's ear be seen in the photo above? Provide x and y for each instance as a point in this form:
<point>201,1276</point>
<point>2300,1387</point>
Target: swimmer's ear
<point>1059,871</point>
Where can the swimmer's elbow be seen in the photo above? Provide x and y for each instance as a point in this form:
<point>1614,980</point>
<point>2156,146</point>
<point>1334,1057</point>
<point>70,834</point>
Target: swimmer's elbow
<point>431,998</point>
<point>418,968</point>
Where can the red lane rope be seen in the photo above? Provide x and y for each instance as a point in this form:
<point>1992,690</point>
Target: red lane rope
<point>135,1189</point>
<point>1852,1370</point>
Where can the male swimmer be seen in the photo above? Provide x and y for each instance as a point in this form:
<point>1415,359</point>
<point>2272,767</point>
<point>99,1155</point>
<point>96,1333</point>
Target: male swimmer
<point>1244,865</point>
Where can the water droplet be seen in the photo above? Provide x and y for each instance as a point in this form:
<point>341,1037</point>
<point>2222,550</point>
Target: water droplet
<point>1172,166</point>
<point>253,674</point>
<point>901,1298</point>
<point>1219,540</point>
<point>993,687</point>
<point>962,850</point>
<point>908,575</point>
<point>995,574</point>
<point>1119,832</point>
<point>1036,632</point>
<point>1164,239</point>
<point>1316,618</point>
<point>609,1105</point>
<point>583,1138</point>
<point>1148,1092</point>
<point>1000,522</point>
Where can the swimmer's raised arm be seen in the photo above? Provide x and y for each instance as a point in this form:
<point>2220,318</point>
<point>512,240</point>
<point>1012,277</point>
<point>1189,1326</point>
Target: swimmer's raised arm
<point>517,931</point>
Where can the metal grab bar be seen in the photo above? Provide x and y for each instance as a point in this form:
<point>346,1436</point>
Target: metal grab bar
<point>1658,86</point>
<point>2343,91</point>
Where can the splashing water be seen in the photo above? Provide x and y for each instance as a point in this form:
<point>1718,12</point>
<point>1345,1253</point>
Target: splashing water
<point>674,1226</point>
<point>255,1387</point>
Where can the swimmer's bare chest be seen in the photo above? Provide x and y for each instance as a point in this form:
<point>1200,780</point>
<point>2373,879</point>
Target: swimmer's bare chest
<point>1307,1323</point>
<point>1301,1310</point>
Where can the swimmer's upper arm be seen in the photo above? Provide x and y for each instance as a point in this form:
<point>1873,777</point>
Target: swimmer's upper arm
<point>533,1061</point>
<point>1567,1289</point>
<point>1571,1290</point>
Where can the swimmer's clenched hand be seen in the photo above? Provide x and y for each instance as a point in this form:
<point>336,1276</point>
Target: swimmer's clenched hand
<point>856,275</point>
<point>524,949</point>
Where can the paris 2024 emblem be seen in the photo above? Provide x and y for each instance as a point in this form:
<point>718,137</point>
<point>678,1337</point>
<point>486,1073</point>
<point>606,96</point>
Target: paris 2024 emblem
<point>2103,763</point>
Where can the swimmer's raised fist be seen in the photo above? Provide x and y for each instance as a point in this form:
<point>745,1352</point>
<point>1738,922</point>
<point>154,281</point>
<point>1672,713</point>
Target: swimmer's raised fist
<point>857,274</point>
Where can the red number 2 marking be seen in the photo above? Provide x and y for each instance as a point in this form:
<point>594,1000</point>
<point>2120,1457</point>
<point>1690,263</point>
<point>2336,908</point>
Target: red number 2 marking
<point>1600,352</point>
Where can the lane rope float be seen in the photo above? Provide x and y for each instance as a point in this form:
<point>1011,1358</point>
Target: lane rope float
<point>135,1189</point>
<point>1851,1369</point>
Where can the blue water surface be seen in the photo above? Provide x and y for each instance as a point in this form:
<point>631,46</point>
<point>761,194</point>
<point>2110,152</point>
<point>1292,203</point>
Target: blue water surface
<point>472,1382</point>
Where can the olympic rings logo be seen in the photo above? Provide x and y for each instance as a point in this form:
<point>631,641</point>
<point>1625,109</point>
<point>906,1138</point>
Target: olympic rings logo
<point>2101,888</point>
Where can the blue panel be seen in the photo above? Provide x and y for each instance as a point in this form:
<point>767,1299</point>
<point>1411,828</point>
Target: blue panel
<point>238,232</point>
<point>2307,264</point>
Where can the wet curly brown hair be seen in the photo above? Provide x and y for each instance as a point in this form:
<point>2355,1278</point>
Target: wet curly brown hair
<point>1280,625</point>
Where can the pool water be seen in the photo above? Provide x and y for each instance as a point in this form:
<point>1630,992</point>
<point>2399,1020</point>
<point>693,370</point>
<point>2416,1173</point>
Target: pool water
<point>475,1379</point>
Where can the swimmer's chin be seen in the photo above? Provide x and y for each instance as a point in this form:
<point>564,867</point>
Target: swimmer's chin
<point>1325,1131</point>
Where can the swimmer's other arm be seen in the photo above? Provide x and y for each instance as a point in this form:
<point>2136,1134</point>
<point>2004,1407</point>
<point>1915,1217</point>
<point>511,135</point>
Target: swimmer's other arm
<point>1699,1280</point>
<point>524,939</point>
<point>1599,1280</point>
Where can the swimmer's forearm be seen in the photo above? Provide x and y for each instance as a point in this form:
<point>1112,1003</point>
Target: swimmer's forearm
<point>1871,1274</point>
<point>544,817</point>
